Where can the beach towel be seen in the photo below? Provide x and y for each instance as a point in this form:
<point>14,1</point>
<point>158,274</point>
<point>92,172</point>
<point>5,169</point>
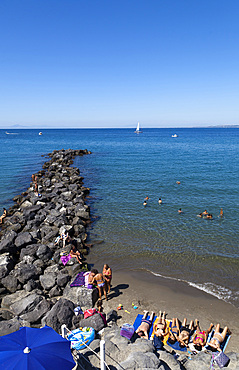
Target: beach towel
<point>153,332</point>
<point>138,320</point>
<point>65,259</point>
<point>79,280</point>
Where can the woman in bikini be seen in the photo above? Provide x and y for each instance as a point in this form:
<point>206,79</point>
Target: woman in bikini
<point>173,334</point>
<point>75,253</point>
<point>185,333</point>
<point>218,338</point>
<point>99,280</point>
<point>3,215</point>
<point>200,337</point>
<point>160,328</point>
<point>107,274</point>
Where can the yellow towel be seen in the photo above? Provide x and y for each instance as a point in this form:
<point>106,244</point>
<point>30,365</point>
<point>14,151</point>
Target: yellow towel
<point>154,326</point>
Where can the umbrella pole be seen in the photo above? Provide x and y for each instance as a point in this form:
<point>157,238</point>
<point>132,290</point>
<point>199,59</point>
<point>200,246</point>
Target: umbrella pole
<point>102,355</point>
<point>63,331</point>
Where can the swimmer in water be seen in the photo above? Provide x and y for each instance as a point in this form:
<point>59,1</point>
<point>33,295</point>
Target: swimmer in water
<point>160,201</point>
<point>145,203</point>
<point>178,182</point>
<point>200,215</point>
<point>205,213</point>
<point>209,216</point>
<point>147,198</point>
<point>221,213</point>
<point>180,210</point>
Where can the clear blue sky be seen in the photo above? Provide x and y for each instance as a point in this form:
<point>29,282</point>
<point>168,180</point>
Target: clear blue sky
<point>102,63</point>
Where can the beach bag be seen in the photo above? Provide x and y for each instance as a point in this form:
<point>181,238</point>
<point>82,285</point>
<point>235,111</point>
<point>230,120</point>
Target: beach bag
<point>90,312</point>
<point>221,359</point>
<point>127,331</point>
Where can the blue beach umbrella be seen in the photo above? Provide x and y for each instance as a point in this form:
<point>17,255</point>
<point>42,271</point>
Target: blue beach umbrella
<point>38,349</point>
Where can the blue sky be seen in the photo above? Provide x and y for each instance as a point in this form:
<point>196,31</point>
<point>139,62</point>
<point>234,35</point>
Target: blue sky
<point>111,63</point>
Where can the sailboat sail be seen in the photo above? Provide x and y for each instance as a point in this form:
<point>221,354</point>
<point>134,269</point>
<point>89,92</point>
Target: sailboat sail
<point>138,129</point>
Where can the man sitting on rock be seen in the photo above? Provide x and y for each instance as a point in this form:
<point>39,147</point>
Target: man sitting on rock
<point>3,215</point>
<point>145,325</point>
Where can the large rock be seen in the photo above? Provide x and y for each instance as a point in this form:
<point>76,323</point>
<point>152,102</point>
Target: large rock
<point>25,304</point>
<point>11,283</point>
<point>12,325</point>
<point>6,244</point>
<point>201,361</point>
<point>81,296</point>
<point>44,253</point>
<point>6,264</point>
<point>26,272</point>
<point>23,239</point>
<point>48,281</point>
<point>61,313</point>
<point>82,211</point>
<point>39,311</point>
<point>96,322</point>
<point>30,250</point>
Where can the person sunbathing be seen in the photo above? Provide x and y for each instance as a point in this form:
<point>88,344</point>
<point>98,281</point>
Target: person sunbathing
<point>160,328</point>
<point>99,281</point>
<point>185,333</point>
<point>107,274</point>
<point>75,253</point>
<point>218,338</point>
<point>145,325</point>
<point>174,332</point>
<point>200,336</point>
<point>3,215</point>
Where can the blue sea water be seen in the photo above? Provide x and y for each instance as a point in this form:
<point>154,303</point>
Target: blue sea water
<point>122,170</point>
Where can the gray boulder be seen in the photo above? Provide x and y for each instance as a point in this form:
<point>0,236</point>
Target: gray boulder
<point>6,264</point>
<point>26,272</point>
<point>23,239</point>
<point>61,313</point>
<point>96,322</point>
<point>44,253</point>
<point>30,250</point>
<point>25,304</point>
<point>81,296</point>
<point>6,244</point>
<point>12,325</point>
<point>39,311</point>
<point>201,361</point>
<point>62,279</point>
<point>48,280</point>
<point>11,283</point>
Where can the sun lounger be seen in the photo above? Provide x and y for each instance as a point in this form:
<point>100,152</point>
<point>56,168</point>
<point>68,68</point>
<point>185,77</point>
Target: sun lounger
<point>138,320</point>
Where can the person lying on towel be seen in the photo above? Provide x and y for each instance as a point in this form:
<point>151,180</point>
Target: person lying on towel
<point>218,338</point>
<point>145,325</point>
<point>185,333</point>
<point>200,336</point>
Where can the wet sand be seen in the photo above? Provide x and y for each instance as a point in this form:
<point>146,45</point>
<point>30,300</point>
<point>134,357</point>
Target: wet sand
<point>177,298</point>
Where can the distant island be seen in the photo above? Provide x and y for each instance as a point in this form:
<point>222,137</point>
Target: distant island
<point>224,126</point>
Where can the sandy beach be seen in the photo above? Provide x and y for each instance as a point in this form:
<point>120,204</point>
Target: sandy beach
<point>176,298</point>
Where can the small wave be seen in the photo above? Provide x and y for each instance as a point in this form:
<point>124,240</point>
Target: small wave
<point>217,291</point>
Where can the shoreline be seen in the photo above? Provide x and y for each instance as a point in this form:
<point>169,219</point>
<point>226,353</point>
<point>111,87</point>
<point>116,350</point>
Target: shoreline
<point>154,293</point>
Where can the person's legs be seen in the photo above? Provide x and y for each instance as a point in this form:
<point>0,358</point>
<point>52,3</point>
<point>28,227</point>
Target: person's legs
<point>145,315</point>
<point>163,318</point>
<point>184,322</point>
<point>151,317</point>
<point>224,332</point>
<point>197,325</point>
<point>191,325</point>
<point>217,329</point>
<point>105,293</point>
<point>99,290</point>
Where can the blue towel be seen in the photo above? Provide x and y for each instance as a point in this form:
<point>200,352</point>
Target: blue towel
<point>176,345</point>
<point>224,343</point>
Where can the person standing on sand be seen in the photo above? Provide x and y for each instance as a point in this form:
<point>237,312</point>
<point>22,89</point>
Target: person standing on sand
<point>144,327</point>
<point>99,280</point>
<point>3,215</point>
<point>107,274</point>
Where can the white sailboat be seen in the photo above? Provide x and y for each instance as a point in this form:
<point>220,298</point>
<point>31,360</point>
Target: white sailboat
<point>138,130</point>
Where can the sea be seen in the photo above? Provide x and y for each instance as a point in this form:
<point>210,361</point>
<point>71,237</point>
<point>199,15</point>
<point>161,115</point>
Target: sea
<point>125,168</point>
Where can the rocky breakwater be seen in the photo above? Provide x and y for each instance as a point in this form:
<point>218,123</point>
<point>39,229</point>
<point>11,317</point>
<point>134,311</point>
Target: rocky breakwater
<point>34,284</point>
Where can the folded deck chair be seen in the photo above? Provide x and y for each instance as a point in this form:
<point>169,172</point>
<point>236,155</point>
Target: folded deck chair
<point>224,343</point>
<point>138,320</point>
